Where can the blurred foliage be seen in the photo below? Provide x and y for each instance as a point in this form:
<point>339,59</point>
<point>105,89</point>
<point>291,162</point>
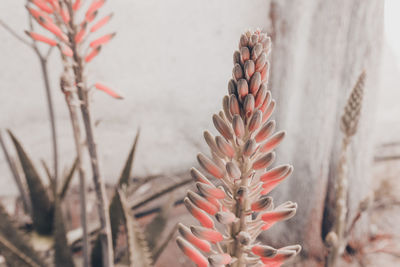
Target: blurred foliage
<point>14,246</point>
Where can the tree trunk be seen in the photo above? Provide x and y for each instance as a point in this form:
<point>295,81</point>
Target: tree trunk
<point>319,50</point>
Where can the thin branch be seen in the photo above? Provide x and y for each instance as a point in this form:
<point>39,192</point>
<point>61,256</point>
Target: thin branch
<point>15,34</point>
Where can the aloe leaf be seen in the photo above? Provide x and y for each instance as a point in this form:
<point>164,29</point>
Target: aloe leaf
<point>126,172</point>
<point>62,252</point>
<point>42,207</point>
<point>17,177</point>
<point>138,249</point>
<point>156,227</point>
<point>14,246</point>
<point>67,179</point>
<point>116,213</point>
<point>48,175</point>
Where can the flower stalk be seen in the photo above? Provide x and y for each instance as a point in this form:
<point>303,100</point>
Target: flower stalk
<point>59,18</point>
<point>240,161</point>
<point>335,239</point>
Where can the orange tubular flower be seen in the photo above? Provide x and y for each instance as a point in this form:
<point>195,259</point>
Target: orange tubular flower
<point>102,40</point>
<point>108,90</point>
<point>101,23</point>
<point>41,38</point>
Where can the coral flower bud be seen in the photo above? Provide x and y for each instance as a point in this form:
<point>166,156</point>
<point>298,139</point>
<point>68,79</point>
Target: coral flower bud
<point>255,83</point>
<point>192,252</point>
<point>273,142</point>
<point>200,215</point>
<point>249,148</point>
<point>210,166</point>
<point>261,61</point>
<point>201,244</point>
<point>101,23</point>
<point>260,96</point>
<point>265,131</point>
<point>108,90</point>
<point>278,215</point>
<point>225,106</point>
<point>249,69</point>
<point>264,72</point>
<point>210,235</point>
<point>102,40</point>
<point>244,55</point>
<point>231,87</point>
<point>50,26</point>
<point>234,105</point>
<point>94,6</point>
<point>256,51</point>
<point>210,140</point>
<point>248,105</point>
<point>92,54</point>
<point>270,185</point>
<point>202,203</point>
<point>225,147</point>
<point>237,72</point>
<point>65,15</point>
<point>211,191</point>
<point>275,173</point>
<point>238,126</point>
<point>233,170</point>
<point>268,112</point>
<point>67,51</point>
<point>199,177</point>
<point>242,88</point>
<point>77,5</point>
<point>222,127</point>
<point>243,41</point>
<point>262,204</point>
<point>280,257</point>
<point>43,6</point>
<point>41,38</point>
<point>81,33</point>
<point>264,161</point>
<point>255,121</point>
<point>264,251</point>
<point>266,102</point>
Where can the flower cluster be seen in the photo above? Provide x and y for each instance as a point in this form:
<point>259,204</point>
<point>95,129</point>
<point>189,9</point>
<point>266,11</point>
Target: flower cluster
<point>240,161</point>
<point>71,30</point>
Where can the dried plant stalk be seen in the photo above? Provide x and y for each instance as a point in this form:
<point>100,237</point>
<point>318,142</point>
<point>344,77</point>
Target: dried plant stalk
<point>241,157</point>
<point>70,36</point>
<point>349,123</point>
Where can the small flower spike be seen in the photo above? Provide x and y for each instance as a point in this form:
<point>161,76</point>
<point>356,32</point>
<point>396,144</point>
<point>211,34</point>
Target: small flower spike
<point>241,165</point>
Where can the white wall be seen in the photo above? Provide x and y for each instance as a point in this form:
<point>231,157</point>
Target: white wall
<point>172,61</point>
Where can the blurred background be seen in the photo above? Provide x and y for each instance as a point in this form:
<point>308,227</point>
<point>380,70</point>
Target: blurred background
<point>171,60</point>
